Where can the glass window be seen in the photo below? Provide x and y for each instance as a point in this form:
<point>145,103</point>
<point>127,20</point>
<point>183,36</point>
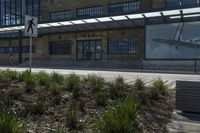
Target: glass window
<point>189,2</point>
<point>15,49</point>
<point>89,12</point>
<point>126,7</point>
<point>60,15</point>
<point>32,7</point>
<point>174,3</point>
<point>123,46</point>
<point>60,48</point>
<point>13,11</point>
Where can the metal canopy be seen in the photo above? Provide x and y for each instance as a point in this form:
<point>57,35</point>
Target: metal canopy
<point>120,21</point>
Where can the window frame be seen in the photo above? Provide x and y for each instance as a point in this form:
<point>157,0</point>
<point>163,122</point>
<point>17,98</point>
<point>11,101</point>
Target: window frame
<point>127,2</point>
<point>181,3</point>
<point>117,52</point>
<point>15,49</point>
<point>57,16</point>
<point>84,8</point>
<point>56,53</point>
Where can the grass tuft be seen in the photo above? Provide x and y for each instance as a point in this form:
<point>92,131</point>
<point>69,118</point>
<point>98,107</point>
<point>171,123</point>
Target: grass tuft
<point>9,75</point>
<point>158,88</point>
<point>73,81</point>
<point>9,122</point>
<point>94,82</point>
<point>38,107</point>
<point>117,88</point>
<point>122,117</point>
<point>100,98</point>
<point>55,88</point>
<point>57,78</point>
<point>139,84</point>
<point>30,81</point>
<point>71,117</point>
<point>43,78</point>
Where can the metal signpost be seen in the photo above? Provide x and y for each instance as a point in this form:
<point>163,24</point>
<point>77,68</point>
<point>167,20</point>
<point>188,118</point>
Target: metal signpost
<point>31,30</point>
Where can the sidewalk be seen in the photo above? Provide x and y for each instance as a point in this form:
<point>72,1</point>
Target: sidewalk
<point>184,123</point>
<point>112,70</point>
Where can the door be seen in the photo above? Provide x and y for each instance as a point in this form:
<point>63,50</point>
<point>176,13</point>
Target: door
<point>89,50</point>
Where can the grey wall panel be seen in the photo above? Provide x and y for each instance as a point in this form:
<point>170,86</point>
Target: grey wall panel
<point>188,32</point>
<point>188,96</point>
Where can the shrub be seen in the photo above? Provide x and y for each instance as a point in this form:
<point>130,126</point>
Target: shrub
<point>100,98</point>
<point>117,88</point>
<point>71,117</point>
<point>30,82</point>
<point>55,88</point>
<point>158,88</point>
<point>43,78</point>
<point>56,77</point>
<point>139,84</point>
<point>94,82</point>
<point>73,81</point>
<point>9,122</point>
<point>122,117</point>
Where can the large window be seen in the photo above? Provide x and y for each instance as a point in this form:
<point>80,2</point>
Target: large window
<point>60,48</point>
<point>13,11</point>
<point>89,50</point>
<point>32,7</point>
<point>15,49</point>
<point>174,3</point>
<point>60,15</point>
<point>126,7</point>
<point>89,12</point>
<point>123,46</point>
<point>189,2</point>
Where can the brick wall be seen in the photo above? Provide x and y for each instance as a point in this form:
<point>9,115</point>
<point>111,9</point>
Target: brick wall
<point>58,5</point>
<point>158,4</point>
<point>42,43</point>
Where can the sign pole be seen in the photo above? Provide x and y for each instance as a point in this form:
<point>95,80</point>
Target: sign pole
<point>31,30</point>
<point>30,49</point>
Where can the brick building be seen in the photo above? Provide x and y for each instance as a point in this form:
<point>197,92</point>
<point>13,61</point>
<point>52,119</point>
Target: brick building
<point>91,33</point>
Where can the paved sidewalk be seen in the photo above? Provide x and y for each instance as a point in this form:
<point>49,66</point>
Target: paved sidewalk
<point>184,123</point>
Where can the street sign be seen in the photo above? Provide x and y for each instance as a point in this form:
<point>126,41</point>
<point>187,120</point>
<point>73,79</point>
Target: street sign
<point>31,24</point>
<point>31,30</point>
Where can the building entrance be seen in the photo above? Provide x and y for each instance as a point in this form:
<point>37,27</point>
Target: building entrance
<point>89,50</point>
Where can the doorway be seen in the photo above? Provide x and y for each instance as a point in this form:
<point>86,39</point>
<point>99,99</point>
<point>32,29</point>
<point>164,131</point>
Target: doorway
<point>89,50</point>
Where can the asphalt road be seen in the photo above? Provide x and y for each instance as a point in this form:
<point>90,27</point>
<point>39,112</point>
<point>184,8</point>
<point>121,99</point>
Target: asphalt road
<point>129,77</point>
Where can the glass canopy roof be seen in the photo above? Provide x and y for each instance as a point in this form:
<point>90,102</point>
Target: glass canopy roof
<point>154,17</point>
